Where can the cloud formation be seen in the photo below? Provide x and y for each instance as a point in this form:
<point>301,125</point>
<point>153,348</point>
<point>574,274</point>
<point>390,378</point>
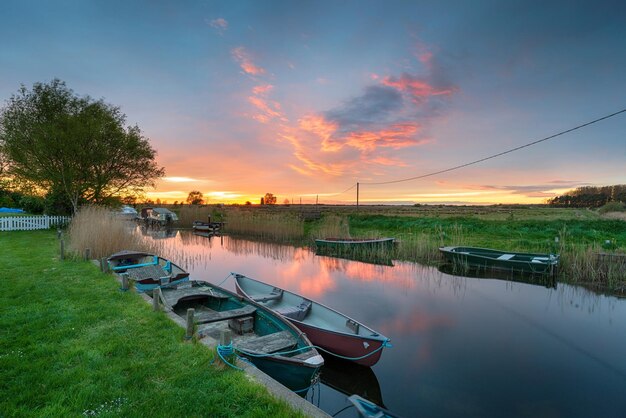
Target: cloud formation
<point>219,24</point>
<point>244,59</point>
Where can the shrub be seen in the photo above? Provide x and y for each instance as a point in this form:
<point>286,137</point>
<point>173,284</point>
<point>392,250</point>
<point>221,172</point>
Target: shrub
<point>613,207</point>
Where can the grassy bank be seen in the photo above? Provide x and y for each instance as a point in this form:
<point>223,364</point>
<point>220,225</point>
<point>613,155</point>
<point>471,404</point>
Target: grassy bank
<point>72,344</point>
<point>578,235</point>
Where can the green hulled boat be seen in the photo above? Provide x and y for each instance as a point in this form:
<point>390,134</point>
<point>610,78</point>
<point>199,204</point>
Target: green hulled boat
<point>265,338</point>
<point>349,243</point>
<point>484,258</point>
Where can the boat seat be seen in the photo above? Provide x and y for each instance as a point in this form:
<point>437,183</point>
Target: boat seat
<point>271,343</point>
<point>154,272</point>
<point>506,256</point>
<point>276,294</point>
<point>207,315</point>
<point>540,260</point>
<point>298,312</point>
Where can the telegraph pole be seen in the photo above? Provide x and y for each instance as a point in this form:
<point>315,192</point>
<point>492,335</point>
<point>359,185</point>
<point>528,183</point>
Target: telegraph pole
<point>357,195</point>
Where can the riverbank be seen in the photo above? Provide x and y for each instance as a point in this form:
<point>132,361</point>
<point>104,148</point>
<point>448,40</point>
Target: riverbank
<point>582,237</point>
<point>72,344</point>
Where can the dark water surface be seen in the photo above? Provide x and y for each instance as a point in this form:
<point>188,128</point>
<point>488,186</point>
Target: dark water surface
<point>461,346</point>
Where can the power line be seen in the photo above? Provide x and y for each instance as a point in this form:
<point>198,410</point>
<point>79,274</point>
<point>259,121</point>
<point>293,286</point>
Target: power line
<point>347,190</point>
<point>495,155</point>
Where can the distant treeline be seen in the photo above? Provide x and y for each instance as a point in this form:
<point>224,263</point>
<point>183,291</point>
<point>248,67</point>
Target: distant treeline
<point>590,197</point>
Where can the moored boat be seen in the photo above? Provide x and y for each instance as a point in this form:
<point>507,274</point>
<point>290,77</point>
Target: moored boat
<point>148,271</point>
<point>333,331</point>
<point>266,339</point>
<point>350,243</point>
<point>473,257</point>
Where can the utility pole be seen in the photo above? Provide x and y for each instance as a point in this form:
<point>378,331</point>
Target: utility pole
<point>316,199</point>
<point>357,195</point>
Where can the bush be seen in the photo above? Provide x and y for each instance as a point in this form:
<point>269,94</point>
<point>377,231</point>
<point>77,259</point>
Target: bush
<point>613,207</point>
<point>32,204</point>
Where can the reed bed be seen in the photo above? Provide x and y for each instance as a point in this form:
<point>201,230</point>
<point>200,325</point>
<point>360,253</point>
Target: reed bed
<point>189,213</point>
<point>332,226</point>
<point>270,226</point>
<point>99,230</point>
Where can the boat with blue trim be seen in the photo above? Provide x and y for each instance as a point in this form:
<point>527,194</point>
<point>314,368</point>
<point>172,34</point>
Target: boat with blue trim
<point>148,271</point>
<point>485,258</point>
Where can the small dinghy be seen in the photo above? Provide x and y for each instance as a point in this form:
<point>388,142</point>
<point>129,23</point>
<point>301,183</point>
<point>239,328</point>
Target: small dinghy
<point>333,331</point>
<point>350,243</point>
<point>266,339</point>
<point>472,257</point>
<point>148,271</point>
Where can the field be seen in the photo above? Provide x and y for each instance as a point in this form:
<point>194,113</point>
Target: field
<point>73,344</point>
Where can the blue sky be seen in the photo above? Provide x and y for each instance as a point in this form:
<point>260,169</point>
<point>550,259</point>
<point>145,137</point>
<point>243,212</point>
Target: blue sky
<point>305,98</point>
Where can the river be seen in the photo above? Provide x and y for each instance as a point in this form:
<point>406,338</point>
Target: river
<point>462,346</point>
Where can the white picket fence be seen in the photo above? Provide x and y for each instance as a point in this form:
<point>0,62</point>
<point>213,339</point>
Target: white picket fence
<point>27,223</point>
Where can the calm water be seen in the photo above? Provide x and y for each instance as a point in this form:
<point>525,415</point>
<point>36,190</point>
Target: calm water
<point>461,346</point>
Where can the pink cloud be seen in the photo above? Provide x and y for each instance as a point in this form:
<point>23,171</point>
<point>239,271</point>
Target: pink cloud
<point>262,89</point>
<point>245,61</point>
<point>397,136</point>
<point>269,109</point>
<point>417,88</point>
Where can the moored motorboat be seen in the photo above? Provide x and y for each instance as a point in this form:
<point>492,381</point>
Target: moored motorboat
<point>266,339</point>
<point>333,331</point>
<point>473,257</point>
<point>148,271</point>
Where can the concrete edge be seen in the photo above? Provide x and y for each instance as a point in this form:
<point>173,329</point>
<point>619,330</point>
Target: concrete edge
<point>254,374</point>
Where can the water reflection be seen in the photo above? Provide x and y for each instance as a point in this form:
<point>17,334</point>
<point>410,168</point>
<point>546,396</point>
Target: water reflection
<point>462,346</point>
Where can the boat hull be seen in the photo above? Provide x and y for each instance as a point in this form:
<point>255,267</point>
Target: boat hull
<point>355,243</point>
<point>351,346</point>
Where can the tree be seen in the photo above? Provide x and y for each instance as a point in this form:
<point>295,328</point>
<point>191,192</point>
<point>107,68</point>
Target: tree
<point>286,201</point>
<point>76,148</point>
<point>269,199</point>
<point>195,198</point>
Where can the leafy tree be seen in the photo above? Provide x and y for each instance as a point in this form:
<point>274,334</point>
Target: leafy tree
<point>76,148</point>
<point>195,198</point>
<point>269,199</point>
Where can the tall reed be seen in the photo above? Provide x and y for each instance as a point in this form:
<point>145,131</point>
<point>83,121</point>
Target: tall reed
<point>189,213</point>
<point>332,226</point>
<point>98,229</point>
<point>272,226</point>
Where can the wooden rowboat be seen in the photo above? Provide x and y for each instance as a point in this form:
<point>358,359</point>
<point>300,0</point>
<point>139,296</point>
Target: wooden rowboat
<point>148,271</point>
<point>333,331</point>
<point>266,339</point>
<point>472,257</point>
<point>377,243</point>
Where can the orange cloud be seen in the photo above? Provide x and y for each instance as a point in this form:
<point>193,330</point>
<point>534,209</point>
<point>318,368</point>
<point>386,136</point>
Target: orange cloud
<point>417,88</point>
<point>321,127</point>
<point>396,136</point>
<point>269,109</point>
<point>245,61</point>
<point>262,89</point>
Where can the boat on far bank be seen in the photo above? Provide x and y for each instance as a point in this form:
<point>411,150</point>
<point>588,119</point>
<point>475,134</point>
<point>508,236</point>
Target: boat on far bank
<point>355,243</point>
<point>485,258</point>
<point>336,333</point>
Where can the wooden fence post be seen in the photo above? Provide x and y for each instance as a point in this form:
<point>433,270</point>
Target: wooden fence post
<point>62,249</point>
<point>104,265</point>
<point>190,323</point>
<point>156,294</point>
<point>124,282</point>
<point>87,254</point>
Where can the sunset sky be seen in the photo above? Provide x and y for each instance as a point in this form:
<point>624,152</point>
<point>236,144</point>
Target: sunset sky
<point>306,98</point>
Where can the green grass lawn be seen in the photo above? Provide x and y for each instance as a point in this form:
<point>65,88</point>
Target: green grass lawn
<point>73,344</point>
